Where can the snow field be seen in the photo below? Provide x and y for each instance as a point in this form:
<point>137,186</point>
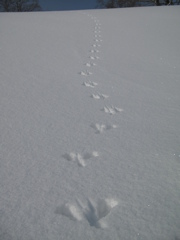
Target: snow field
<point>90,125</point>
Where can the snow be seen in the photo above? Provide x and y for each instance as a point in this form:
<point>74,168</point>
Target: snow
<point>90,130</point>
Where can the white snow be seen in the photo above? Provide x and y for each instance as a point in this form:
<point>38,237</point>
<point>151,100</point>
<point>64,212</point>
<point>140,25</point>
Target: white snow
<point>72,167</point>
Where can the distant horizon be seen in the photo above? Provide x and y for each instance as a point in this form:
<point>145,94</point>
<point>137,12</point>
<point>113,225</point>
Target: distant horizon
<point>61,5</point>
<point>70,5</point>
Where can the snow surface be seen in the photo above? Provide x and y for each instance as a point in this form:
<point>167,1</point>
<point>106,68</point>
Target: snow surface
<point>90,125</point>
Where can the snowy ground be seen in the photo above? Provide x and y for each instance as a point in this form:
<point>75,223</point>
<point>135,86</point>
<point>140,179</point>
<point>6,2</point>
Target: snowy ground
<point>90,125</point>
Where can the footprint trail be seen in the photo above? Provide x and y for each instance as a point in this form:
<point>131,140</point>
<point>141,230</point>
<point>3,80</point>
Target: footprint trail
<point>93,212</point>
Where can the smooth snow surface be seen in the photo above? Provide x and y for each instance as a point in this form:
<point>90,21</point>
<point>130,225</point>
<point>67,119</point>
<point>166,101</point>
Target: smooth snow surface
<point>90,125</point>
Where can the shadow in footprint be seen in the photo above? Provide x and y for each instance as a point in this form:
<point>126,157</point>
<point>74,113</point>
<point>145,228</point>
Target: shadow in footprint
<point>90,64</point>
<point>95,212</point>
<point>90,84</point>
<point>177,238</point>
<point>85,73</point>
<point>99,96</point>
<point>112,110</point>
<point>70,211</point>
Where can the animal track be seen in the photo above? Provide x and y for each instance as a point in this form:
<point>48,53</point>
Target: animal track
<point>85,73</point>
<point>95,45</point>
<point>94,57</point>
<point>98,40</point>
<point>90,64</point>
<point>90,84</point>
<point>93,212</point>
<point>100,128</point>
<point>112,110</point>
<point>80,158</point>
<point>94,51</point>
<point>99,96</point>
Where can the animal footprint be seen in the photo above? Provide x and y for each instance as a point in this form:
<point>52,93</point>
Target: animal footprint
<point>94,51</point>
<point>85,73</point>
<point>90,64</point>
<point>96,36</point>
<point>112,110</point>
<point>98,40</point>
<point>96,45</point>
<point>93,212</point>
<point>80,158</point>
<point>90,84</point>
<point>99,96</point>
<point>94,57</point>
<point>101,127</point>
